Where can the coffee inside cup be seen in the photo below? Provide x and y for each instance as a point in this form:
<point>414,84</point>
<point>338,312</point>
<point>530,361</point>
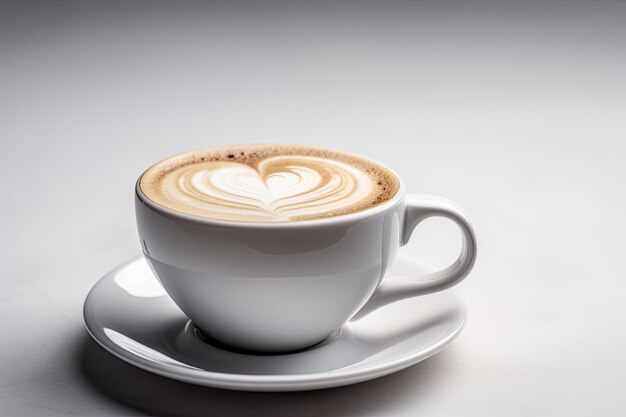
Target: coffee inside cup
<point>268,183</point>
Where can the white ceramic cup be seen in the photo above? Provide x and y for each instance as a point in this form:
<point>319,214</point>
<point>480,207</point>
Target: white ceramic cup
<point>274,287</point>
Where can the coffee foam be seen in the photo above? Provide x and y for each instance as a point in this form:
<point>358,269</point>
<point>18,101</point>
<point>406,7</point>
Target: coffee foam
<point>268,183</point>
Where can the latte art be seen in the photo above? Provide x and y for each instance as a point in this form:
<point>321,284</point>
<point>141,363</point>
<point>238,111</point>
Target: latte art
<point>265,184</point>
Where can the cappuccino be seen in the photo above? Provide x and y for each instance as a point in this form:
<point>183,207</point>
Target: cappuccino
<point>268,183</point>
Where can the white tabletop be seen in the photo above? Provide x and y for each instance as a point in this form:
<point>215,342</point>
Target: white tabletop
<point>515,110</point>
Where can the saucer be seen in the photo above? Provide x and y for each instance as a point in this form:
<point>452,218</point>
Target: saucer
<point>129,314</point>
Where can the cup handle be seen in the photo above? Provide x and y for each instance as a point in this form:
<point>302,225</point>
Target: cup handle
<point>418,208</point>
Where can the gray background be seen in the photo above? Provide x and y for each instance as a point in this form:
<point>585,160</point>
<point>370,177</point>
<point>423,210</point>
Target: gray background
<point>514,109</point>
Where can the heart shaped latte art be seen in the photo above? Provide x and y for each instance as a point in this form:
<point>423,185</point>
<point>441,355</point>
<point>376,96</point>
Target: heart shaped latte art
<point>279,188</point>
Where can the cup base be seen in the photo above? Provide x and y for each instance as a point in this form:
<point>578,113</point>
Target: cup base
<point>206,338</point>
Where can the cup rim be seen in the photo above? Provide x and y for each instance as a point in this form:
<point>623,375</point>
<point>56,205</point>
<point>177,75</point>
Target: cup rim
<point>326,221</point>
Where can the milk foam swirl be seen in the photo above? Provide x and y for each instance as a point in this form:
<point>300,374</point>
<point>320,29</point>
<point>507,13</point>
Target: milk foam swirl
<point>267,183</point>
<point>279,188</point>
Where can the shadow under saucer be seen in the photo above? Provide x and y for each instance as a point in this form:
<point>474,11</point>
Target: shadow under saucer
<point>160,396</point>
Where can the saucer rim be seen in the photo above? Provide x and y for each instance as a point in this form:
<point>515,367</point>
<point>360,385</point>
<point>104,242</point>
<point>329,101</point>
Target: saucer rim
<point>298,382</point>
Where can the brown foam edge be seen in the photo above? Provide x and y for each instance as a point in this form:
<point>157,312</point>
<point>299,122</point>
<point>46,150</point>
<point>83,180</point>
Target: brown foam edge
<point>386,183</point>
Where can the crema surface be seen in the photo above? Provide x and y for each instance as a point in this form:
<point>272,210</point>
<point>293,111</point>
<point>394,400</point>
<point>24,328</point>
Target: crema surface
<point>268,183</point>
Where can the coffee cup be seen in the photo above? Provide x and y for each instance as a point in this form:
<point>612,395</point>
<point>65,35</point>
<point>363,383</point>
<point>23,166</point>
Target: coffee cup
<point>286,285</point>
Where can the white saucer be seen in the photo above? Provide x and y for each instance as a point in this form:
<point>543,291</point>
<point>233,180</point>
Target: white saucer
<point>129,314</point>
